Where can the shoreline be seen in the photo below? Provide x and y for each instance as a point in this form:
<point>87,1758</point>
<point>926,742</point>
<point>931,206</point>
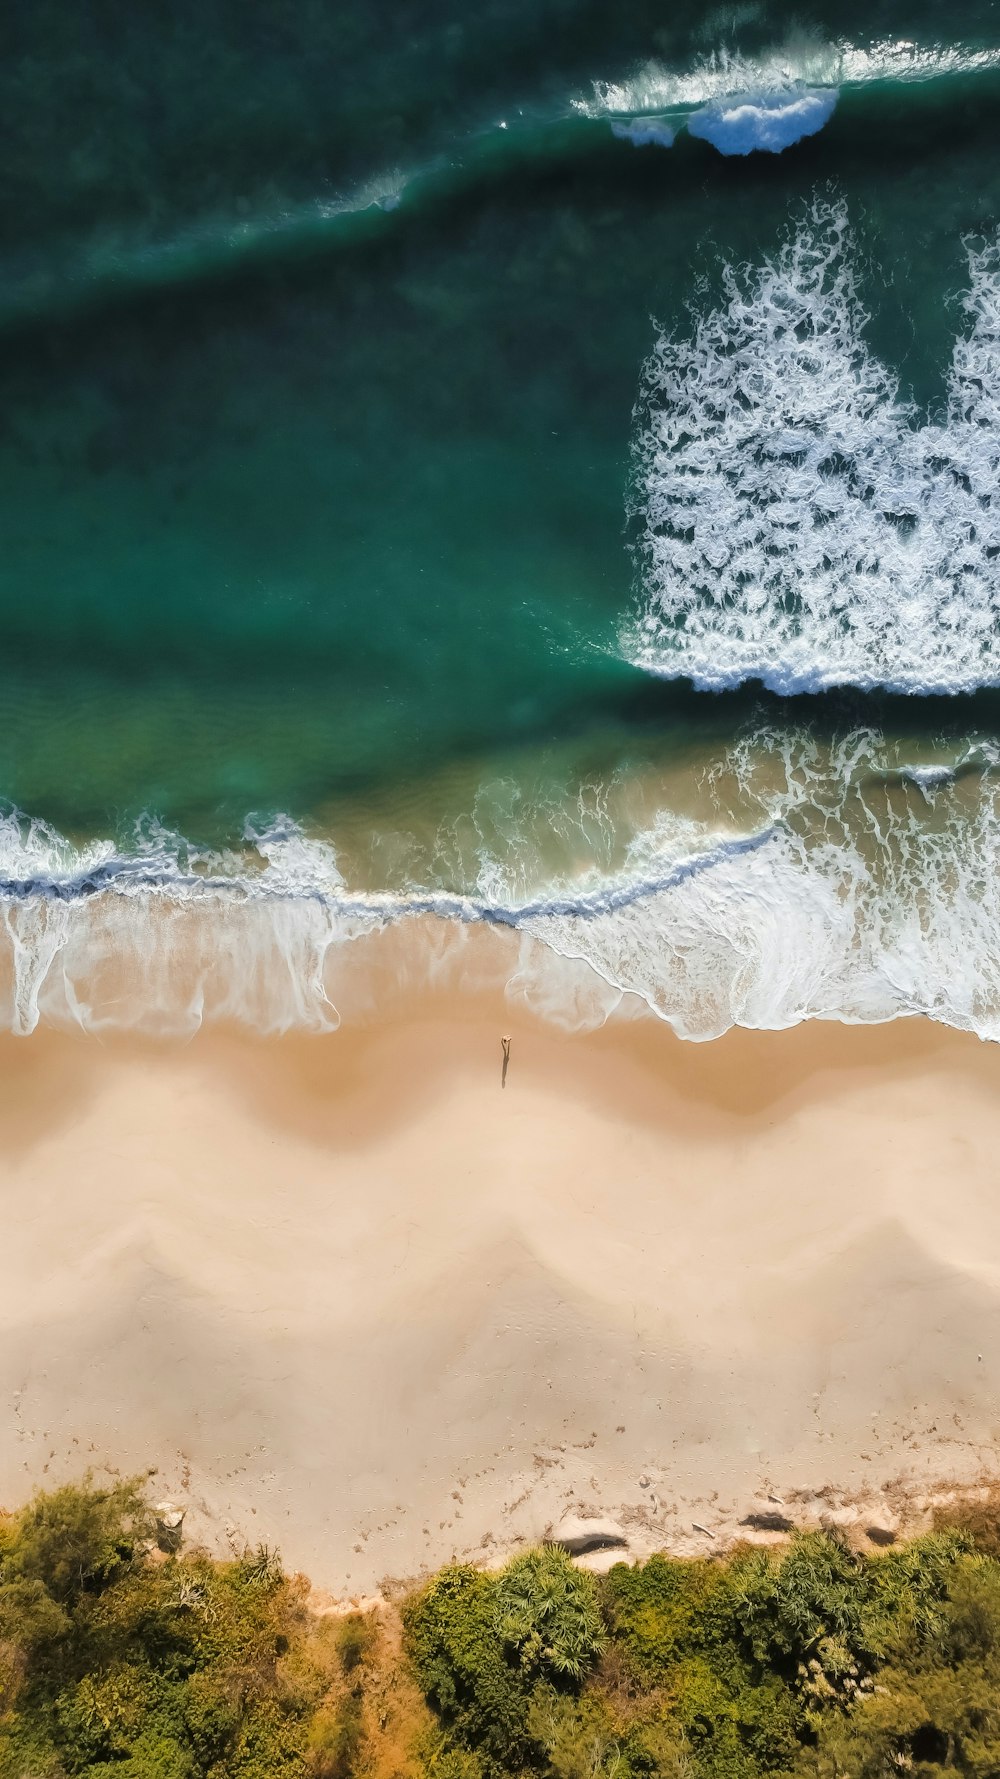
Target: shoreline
<point>349,1295</point>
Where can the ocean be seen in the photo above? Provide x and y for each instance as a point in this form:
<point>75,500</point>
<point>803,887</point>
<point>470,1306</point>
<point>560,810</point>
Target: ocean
<point>531,474</point>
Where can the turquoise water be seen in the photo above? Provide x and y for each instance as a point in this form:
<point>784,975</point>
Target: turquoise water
<point>324,497</point>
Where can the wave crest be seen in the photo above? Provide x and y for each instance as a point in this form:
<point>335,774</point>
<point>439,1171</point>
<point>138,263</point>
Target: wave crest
<point>804,58</point>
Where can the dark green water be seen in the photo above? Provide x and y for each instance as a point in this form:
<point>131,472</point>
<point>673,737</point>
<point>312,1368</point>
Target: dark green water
<point>316,504</point>
<point>280,525</point>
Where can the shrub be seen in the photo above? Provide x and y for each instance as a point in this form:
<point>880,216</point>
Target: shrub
<point>334,1740</point>
<point>462,1666</point>
<point>270,1744</point>
<point>356,1637</point>
<point>682,1626</point>
<point>77,1540</point>
<point>936,1705</point>
<point>212,1713</point>
<point>737,1723</point>
<point>102,1716</point>
<point>575,1736</point>
<point>785,1606</point>
<point>905,1590</point>
<point>456,1763</point>
<point>978,1522</point>
<point>30,1618</point>
<point>659,1747</point>
<point>548,1616</point>
<point>660,1610</point>
<point>152,1757</point>
<point>970,1623</point>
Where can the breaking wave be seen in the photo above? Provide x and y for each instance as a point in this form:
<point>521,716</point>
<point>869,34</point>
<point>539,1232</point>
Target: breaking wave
<point>797,525</point>
<point>738,101</point>
<point>802,59</point>
<point>839,883</point>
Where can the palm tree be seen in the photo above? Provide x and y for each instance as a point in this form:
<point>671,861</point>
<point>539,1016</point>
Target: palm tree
<point>547,1615</point>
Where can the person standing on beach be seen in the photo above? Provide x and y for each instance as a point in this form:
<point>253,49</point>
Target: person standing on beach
<point>505,1047</point>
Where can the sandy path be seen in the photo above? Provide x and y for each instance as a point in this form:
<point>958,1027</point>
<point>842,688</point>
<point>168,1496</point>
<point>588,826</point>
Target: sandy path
<point>351,1298</point>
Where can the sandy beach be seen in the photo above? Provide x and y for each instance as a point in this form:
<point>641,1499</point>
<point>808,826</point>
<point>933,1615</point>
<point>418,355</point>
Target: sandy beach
<point>351,1298</point>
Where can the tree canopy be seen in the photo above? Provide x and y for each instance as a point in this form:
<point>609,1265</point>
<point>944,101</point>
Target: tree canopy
<point>808,1660</point>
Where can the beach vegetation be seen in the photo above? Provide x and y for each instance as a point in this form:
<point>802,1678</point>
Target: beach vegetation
<point>120,1662</point>
<point>548,1615</point>
<point>978,1517</point>
<point>480,1695</point>
<point>811,1659</point>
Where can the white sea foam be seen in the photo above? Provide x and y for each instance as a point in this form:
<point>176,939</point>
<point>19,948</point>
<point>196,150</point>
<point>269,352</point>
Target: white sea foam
<point>797,524</point>
<point>655,87</point>
<point>803,59</point>
<point>748,123</point>
<point>900,58</point>
<point>848,885</point>
<point>853,902</point>
<point>644,132</point>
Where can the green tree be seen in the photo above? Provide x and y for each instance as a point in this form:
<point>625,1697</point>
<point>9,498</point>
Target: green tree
<point>77,1540</point>
<point>935,1707</point>
<point>548,1616</point>
<point>462,1666</point>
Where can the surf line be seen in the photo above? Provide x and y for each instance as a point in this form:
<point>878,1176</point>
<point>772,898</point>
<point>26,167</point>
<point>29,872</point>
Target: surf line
<point>132,878</point>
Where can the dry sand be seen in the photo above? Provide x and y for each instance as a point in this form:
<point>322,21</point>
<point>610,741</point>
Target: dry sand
<point>352,1299</point>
